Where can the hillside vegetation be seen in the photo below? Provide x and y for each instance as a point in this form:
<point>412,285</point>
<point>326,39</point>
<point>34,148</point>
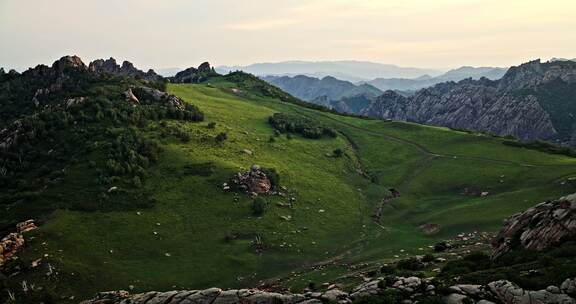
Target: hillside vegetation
<point>177,228</point>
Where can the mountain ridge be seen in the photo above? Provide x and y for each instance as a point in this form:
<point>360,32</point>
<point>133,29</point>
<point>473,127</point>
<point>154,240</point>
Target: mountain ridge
<point>348,70</point>
<point>513,105</point>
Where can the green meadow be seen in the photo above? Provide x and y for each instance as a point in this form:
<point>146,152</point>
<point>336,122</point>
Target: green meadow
<point>195,235</point>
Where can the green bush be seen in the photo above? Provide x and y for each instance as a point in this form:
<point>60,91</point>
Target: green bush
<point>258,206</point>
<point>273,176</point>
<point>412,264</point>
<point>428,258</point>
<point>290,123</point>
<point>221,137</point>
<point>338,153</point>
<point>387,269</point>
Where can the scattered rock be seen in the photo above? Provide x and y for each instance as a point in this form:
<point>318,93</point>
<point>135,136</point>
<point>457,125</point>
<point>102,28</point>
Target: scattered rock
<point>254,181</point>
<point>13,242</point>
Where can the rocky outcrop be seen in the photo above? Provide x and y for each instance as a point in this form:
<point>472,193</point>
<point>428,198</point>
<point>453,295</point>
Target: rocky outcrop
<point>13,242</point>
<point>509,106</point>
<point>128,69</point>
<point>193,75</point>
<point>219,296</point>
<point>143,93</point>
<point>253,182</point>
<point>545,225</point>
<point>408,289</point>
<point>506,292</point>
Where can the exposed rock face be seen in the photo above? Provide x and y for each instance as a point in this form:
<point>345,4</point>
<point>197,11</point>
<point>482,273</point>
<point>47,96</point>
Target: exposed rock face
<point>193,75</point>
<point>254,181</point>
<point>219,296</point>
<point>507,292</point>
<point>545,225</point>
<point>110,67</point>
<point>13,242</point>
<point>130,97</point>
<point>72,62</point>
<point>157,95</point>
<point>508,106</point>
<point>405,84</point>
<point>409,288</point>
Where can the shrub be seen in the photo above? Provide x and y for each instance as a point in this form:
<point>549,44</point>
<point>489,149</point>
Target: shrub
<point>428,258</point>
<point>387,269</point>
<point>410,264</point>
<point>221,137</point>
<point>338,152</point>
<point>441,247</point>
<point>388,296</point>
<point>542,146</point>
<point>289,123</point>
<point>211,125</point>
<point>273,176</point>
<point>258,206</point>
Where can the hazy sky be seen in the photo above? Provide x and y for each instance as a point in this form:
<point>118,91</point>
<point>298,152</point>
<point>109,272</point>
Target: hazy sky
<point>182,33</point>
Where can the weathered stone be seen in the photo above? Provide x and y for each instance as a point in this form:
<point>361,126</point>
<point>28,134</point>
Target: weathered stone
<point>455,298</point>
<point>507,292</point>
<point>545,225</point>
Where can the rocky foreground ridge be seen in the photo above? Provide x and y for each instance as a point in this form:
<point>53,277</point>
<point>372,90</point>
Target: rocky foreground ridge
<point>545,225</point>
<point>512,105</point>
<point>409,288</point>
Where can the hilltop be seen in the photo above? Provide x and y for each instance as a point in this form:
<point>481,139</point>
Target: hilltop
<point>225,180</point>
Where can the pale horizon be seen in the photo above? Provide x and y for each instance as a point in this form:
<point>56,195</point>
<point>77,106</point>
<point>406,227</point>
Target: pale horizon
<point>442,35</point>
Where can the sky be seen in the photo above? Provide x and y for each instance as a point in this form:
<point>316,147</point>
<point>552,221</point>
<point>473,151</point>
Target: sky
<point>181,33</point>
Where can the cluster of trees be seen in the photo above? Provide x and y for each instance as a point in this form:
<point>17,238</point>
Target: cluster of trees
<point>53,132</point>
<point>289,123</point>
<point>542,146</point>
<point>129,156</point>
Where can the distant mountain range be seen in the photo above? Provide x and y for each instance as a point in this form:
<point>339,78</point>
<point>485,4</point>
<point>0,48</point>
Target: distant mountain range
<point>327,90</point>
<point>354,71</point>
<point>562,59</point>
<point>534,101</point>
<point>403,84</point>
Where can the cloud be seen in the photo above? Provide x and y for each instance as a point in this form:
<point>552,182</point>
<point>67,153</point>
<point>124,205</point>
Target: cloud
<point>261,25</point>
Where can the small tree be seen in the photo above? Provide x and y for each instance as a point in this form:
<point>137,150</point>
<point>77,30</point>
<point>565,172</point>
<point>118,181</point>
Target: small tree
<point>338,153</point>
<point>258,206</point>
<point>221,137</point>
<point>211,125</point>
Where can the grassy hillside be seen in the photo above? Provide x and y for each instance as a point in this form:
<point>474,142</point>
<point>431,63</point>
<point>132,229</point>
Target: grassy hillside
<point>195,235</point>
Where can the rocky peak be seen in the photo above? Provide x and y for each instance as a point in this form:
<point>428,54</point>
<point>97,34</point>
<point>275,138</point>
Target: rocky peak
<point>73,62</point>
<point>535,72</point>
<point>110,66</point>
<point>104,66</point>
<point>128,67</point>
<point>194,75</point>
<point>205,68</point>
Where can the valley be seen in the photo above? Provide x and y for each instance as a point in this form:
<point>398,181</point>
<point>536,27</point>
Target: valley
<point>195,235</point>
